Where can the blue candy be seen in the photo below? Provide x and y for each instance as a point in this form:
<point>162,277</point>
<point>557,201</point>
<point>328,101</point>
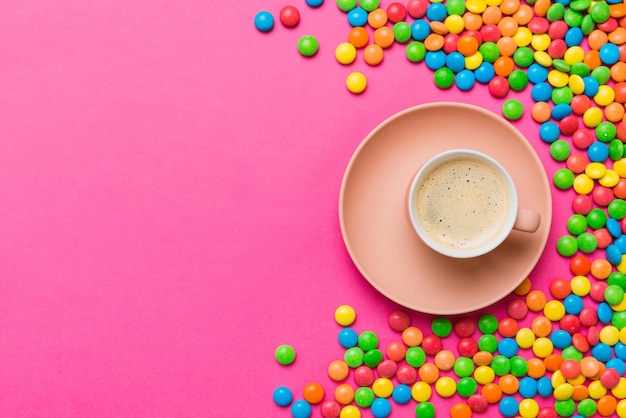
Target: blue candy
<point>549,132</point>
<point>609,53</point>
<point>401,394</point>
<point>301,409</point>
<point>591,86</point>
<point>508,347</point>
<point>620,350</point>
<point>357,17</point>
<point>561,339</point>
<point>508,406</point>
<point>420,29</point>
<point>613,254</point>
<point>605,313</point>
<point>544,386</point>
<point>435,59</point>
<point>348,338</point>
<point>314,3</point>
<point>574,36</point>
<point>528,387</point>
<point>614,227</point>
<point>561,110</point>
<point>598,152</point>
<point>541,92</point>
<point>617,364</point>
<point>485,72</point>
<point>465,79</point>
<point>537,73</point>
<point>602,352</point>
<point>620,243</point>
<point>573,304</point>
<point>264,21</point>
<point>455,61</point>
<point>436,12</point>
<point>380,408</point>
<point>282,396</point>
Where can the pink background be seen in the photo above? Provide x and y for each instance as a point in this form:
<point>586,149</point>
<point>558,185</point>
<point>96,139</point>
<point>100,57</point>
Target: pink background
<point>170,181</point>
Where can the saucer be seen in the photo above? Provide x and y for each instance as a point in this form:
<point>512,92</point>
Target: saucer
<point>377,231</point>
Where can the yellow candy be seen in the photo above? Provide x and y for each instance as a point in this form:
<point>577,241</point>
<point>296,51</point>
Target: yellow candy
<point>620,307</point>
<point>554,310</point>
<point>382,387</point>
<point>610,178</point>
<point>596,390</point>
<point>578,380</point>
<point>473,61</point>
<point>421,391</point>
<point>583,184</point>
<point>563,392</point>
<point>595,170</point>
<point>557,379</point>
<point>528,408</point>
<point>622,335</point>
<point>345,315</point>
<point>574,54</point>
<point>557,78</point>
<point>455,24</point>
<point>619,391</point>
<point>620,410</point>
<point>620,167</point>
<point>476,6</point>
<point>621,267</point>
<point>493,2</point>
<point>543,58</point>
<point>605,95</point>
<point>543,347</point>
<point>592,117</point>
<point>581,286</point>
<point>541,42</point>
<point>345,53</point>
<point>523,36</point>
<point>525,337</point>
<point>445,387</point>
<point>576,84</point>
<point>609,335</point>
<point>350,411</point>
<point>484,375</point>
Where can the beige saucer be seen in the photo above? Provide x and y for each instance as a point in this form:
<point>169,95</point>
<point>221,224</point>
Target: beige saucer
<point>378,233</point>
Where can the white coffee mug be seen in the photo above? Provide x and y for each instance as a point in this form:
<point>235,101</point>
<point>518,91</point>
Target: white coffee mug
<point>463,203</point>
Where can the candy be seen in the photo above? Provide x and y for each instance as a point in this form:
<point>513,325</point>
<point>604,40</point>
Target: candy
<point>289,16</point>
<point>301,409</point>
<point>282,396</point>
<point>308,46</point>
<point>512,109</point>
<point>356,82</point>
<point>285,354</point>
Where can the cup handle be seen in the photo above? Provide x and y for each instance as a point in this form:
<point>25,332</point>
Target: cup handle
<point>527,220</point>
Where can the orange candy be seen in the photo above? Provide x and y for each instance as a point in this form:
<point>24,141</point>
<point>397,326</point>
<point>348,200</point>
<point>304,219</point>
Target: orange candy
<point>607,405</point>
<point>614,112</point>
<point>445,360</point>
<point>618,72</point>
<point>412,336</point>
<point>377,18</point>
<point>553,362</point>
<point>434,42</point>
<point>358,37</point>
<point>618,10</point>
<point>580,392</point>
<point>428,373</point>
<point>313,393</point>
<point>482,358</point>
<point>536,368</point>
<point>504,66</point>
<point>597,38</point>
<point>541,112</point>
<point>541,7</point>
<point>460,410</point>
<point>467,45</point>
<point>601,268</point>
<point>508,26</point>
<point>439,28</point>
<point>524,14</point>
<point>523,288</point>
<point>589,366</point>
<point>338,370</point>
<point>472,21</point>
<point>373,54</point>
<point>507,46</point>
<point>592,59</point>
<point>492,392</point>
<point>509,7</point>
<point>492,15</point>
<point>395,351</point>
<point>384,37</point>
<point>344,394</point>
<point>618,36</point>
<point>536,300</point>
<point>541,326</point>
<point>509,384</point>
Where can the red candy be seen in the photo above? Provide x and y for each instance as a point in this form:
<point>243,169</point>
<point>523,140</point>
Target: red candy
<point>396,12</point>
<point>620,92</point>
<point>547,413</point>
<point>570,369</point>
<point>579,104</point>
<point>449,42</point>
<point>621,131</point>
<point>477,403</point>
<point>570,323</point>
<point>289,16</point>
<point>609,378</point>
<point>620,189</point>
<point>593,336</point>
<point>602,196</point>
<point>395,351</point>
<point>508,327</point>
<point>330,409</point>
<point>557,29</point>
<point>386,368</point>
<point>580,265</point>
<point>608,26</point>
<point>582,138</point>
<point>417,8</point>
<point>399,321</point>
<point>582,204</point>
<point>588,316</point>
<point>557,48</point>
<point>364,376</point>
<point>517,309</point>
<point>431,344</point>
<point>467,347</point>
<point>560,288</point>
<point>577,163</point>
<point>568,125</point>
<point>490,33</point>
<point>603,237</point>
<point>580,342</point>
<point>597,291</point>
<point>498,87</point>
<point>406,374</point>
<point>464,327</point>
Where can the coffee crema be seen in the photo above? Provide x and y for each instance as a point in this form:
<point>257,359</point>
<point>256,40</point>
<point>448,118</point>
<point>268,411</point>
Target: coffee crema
<point>463,203</point>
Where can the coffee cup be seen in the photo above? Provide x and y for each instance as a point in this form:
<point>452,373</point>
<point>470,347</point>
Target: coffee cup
<point>463,203</point>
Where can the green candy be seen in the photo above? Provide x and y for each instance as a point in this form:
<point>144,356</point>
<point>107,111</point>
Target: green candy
<point>373,357</point>
<point>561,65</point>
<point>616,149</point>
<point>346,5</point>
<point>565,408</point>
<point>571,353</point>
<point>587,407</point>
<point>617,209</point>
<point>367,340</point>
<point>518,80</point>
<point>512,109</point>
<point>580,5</point>
<point>488,324</point>
<point>560,150</point>
<point>369,5</point>
<point>488,343</point>
<point>463,366</point>
<point>587,25</point>
<point>606,131</point>
<point>490,52</point>
<point>562,95</point>
<point>308,46</point>
<point>501,365</point>
<point>617,279</point>
<point>563,178</point>
<point>466,387</point>
<point>354,357</point>
<point>573,18</point>
<point>415,356</point>
<point>402,32</point>
<point>524,57</point>
<point>596,218</point>
<point>444,78</point>
<point>581,69</point>
<point>364,397</point>
<point>441,327</point>
<point>602,74</point>
<point>619,319</point>
<point>455,7</point>
<point>555,12</point>
<point>425,410</point>
<point>587,243</point>
<point>567,245</point>
<point>600,12</point>
<point>519,366</point>
<point>285,354</point>
<point>613,294</point>
<point>415,51</point>
<point>577,224</point>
